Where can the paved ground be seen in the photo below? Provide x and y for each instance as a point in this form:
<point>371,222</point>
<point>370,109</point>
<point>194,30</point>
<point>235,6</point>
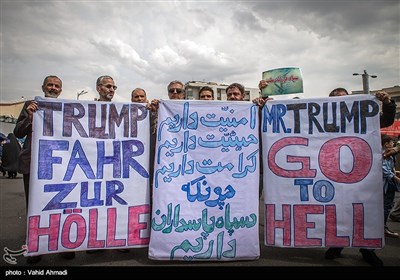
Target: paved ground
<point>12,232</point>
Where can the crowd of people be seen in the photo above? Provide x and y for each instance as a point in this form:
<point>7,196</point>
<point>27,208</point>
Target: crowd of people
<point>106,87</point>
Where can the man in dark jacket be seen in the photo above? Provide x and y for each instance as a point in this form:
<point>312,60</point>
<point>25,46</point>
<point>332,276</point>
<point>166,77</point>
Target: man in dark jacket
<point>386,119</point>
<point>52,87</point>
<point>388,105</point>
<point>9,157</point>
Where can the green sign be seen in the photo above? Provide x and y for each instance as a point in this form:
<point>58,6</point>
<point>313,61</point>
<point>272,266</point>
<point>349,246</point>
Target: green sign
<point>282,81</point>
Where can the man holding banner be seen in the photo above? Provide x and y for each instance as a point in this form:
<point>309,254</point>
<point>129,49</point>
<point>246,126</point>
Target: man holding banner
<point>52,87</point>
<point>386,119</point>
<point>89,175</point>
<point>106,88</point>
<point>203,206</point>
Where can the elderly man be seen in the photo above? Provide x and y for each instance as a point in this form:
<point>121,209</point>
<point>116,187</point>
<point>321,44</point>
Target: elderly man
<point>106,88</point>
<point>139,95</point>
<point>52,88</point>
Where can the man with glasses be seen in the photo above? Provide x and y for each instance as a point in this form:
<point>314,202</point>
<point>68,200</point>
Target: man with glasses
<point>176,90</point>
<point>106,88</point>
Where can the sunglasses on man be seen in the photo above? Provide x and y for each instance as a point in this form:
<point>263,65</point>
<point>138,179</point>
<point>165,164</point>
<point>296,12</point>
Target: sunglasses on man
<point>178,90</point>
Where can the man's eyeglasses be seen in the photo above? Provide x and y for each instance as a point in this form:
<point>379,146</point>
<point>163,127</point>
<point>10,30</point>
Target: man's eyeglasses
<point>178,90</point>
<point>109,86</point>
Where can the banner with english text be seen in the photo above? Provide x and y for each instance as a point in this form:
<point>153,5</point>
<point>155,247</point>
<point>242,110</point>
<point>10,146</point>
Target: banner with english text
<point>206,181</point>
<point>323,172</point>
<point>89,180</point>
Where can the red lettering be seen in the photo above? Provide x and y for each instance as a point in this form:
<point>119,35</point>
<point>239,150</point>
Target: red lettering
<point>111,229</point>
<point>93,242</point>
<point>304,172</point>
<point>80,231</point>
<point>271,224</point>
<point>300,230</point>
<point>331,238</point>
<point>329,159</point>
<point>358,235</point>
<point>301,225</point>
<point>34,231</point>
<point>134,226</point>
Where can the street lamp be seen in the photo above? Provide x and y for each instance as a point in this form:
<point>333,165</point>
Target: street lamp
<point>365,79</point>
<point>80,93</point>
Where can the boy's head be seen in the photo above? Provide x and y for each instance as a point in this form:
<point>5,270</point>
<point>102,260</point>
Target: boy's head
<point>386,140</point>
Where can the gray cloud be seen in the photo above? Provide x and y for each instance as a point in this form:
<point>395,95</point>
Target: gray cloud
<point>335,19</point>
<point>247,21</point>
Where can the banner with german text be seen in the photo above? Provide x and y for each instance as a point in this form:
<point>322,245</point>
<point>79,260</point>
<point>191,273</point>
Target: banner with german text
<point>89,180</point>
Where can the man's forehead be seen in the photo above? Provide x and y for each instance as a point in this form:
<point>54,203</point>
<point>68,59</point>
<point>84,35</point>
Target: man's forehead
<point>233,89</point>
<point>53,80</point>
<point>175,84</point>
<point>107,80</point>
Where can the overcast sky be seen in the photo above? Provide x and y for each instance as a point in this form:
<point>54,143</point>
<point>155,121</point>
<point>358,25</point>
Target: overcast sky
<point>147,44</point>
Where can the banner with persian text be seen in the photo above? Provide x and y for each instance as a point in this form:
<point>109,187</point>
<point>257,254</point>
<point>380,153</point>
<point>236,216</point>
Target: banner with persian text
<point>89,182</point>
<point>323,172</point>
<point>206,180</point>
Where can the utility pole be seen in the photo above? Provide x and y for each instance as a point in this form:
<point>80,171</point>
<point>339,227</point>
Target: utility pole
<point>365,79</point>
<point>80,93</point>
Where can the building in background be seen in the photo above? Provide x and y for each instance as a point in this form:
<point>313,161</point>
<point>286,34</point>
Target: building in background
<point>9,112</point>
<point>193,88</point>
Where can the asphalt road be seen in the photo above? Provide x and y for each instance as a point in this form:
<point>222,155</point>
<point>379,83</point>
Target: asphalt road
<point>13,226</point>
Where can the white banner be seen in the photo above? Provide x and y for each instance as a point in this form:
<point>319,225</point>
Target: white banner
<point>323,172</point>
<point>89,184</point>
<point>205,192</point>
